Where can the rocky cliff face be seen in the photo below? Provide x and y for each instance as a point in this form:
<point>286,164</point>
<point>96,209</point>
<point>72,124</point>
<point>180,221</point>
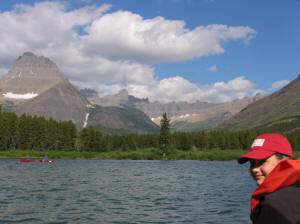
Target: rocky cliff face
<point>35,86</point>
<point>61,102</point>
<point>122,99</point>
<point>121,120</point>
<point>29,76</point>
<point>184,116</point>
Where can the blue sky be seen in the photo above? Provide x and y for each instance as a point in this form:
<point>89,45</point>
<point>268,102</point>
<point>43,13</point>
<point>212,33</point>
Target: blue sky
<point>166,50</point>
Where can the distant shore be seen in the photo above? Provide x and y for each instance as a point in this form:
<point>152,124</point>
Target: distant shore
<point>145,154</point>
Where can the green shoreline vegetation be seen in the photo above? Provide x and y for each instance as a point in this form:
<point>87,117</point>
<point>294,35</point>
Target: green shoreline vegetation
<point>139,154</point>
<point>36,136</point>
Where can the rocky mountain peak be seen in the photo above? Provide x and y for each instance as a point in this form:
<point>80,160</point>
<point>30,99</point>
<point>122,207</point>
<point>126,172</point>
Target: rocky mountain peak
<point>30,74</point>
<point>123,94</point>
<point>29,59</point>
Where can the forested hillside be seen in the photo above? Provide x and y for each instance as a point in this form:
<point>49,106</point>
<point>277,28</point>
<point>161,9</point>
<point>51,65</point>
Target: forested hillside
<point>37,133</point>
<point>282,105</point>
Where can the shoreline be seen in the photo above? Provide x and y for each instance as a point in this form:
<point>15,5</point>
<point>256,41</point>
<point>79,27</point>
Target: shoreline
<point>139,154</point>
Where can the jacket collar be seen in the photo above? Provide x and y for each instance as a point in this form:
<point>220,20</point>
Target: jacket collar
<point>286,173</point>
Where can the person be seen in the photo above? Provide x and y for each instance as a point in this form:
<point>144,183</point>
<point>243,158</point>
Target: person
<point>45,158</point>
<point>277,197</point>
<point>28,157</point>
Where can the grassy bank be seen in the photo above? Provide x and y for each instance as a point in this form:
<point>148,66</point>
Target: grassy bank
<point>145,154</point>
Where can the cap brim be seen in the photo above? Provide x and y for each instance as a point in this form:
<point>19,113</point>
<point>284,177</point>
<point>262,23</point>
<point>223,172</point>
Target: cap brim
<point>255,154</point>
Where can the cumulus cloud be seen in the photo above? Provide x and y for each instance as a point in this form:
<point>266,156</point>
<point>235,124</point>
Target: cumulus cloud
<point>279,84</point>
<point>213,68</point>
<point>95,47</point>
<point>128,36</point>
<point>180,89</point>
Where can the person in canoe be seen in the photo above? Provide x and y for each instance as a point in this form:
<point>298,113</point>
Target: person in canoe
<point>28,157</point>
<point>45,158</point>
<point>277,197</point>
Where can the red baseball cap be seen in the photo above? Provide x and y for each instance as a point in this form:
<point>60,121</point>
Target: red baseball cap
<point>266,145</point>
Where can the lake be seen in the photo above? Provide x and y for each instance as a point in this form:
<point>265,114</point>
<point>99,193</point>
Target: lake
<point>124,191</point>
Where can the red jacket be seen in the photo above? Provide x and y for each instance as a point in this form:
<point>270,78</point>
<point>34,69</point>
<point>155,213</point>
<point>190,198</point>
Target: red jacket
<point>284,175</point>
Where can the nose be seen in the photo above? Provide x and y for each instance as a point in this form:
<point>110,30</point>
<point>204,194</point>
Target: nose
<point>254,169</point>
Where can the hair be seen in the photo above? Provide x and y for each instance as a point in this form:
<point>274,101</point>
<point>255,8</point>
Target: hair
<point>281,156</point>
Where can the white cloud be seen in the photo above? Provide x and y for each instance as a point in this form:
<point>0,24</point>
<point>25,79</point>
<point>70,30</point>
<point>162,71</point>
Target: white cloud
<point>279,84</point>
<point>3,71</point>
<point>213,68</point>
<point>128,36</point>
<point>180,89</point>
<point>108,51</point>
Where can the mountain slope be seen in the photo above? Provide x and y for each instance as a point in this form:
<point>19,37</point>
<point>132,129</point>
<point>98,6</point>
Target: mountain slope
<point>61,102</point>
<point>126,120</point>
<point>35,86</point>
<point>30,75</point>
<point>184,116</point>
<point>283,103</point>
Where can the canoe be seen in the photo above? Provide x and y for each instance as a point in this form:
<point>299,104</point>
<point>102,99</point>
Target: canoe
<point>32,161</point>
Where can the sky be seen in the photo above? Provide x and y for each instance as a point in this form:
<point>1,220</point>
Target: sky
<point>163,50</point>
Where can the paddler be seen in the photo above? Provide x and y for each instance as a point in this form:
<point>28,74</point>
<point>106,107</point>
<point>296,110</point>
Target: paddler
<point>277,198</point>
<point>45,158</point>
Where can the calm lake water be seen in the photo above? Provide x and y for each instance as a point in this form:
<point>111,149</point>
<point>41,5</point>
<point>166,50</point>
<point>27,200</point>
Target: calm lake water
<point>114,191</point>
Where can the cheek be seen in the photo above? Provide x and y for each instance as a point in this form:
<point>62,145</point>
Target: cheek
<point>266,170</point>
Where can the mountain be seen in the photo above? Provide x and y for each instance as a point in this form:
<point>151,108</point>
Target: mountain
<point>122,99</point>
<point>121,120</point>
<point>61,102</point>
<point>184,116</point>
<point>35,86</point>
<point>281,106</point>
<point>90,94</point>
<point>201,116</point>
<point>29,76</point>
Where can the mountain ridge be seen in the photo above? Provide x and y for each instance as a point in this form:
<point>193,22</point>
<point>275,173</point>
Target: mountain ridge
<point>198,115</point>
<point>283,103</point>
<point>62,102</point>
<point>35,86</point>
<point>30,74</point>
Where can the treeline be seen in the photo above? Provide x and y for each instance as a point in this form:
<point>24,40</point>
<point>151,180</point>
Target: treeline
<point>37,133</point>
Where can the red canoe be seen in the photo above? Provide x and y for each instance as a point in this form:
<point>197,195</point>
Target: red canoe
<point>39,161</point>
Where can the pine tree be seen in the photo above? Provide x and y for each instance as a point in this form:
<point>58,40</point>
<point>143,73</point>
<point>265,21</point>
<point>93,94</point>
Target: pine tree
<point>164,136</point>
<point>52,133</point>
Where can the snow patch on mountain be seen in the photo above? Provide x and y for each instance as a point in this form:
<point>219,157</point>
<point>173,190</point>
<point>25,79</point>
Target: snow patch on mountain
<point>86,120</point>
<point>184,116</point>
<point>156,118</point>
<point>20,96</point>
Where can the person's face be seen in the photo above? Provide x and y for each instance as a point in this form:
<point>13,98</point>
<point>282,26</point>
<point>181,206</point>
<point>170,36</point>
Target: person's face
<point>260,169</point>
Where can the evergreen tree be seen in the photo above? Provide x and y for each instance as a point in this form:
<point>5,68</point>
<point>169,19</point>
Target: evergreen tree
<point>52,134</point>
<point>2,132</point>
<point>184,141</point>
<point>12,122</point>
<point>24,132</point>
<point>164,136</point>
<point>88,139</point>
<point>69,135</point>
<point>116,142</point>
